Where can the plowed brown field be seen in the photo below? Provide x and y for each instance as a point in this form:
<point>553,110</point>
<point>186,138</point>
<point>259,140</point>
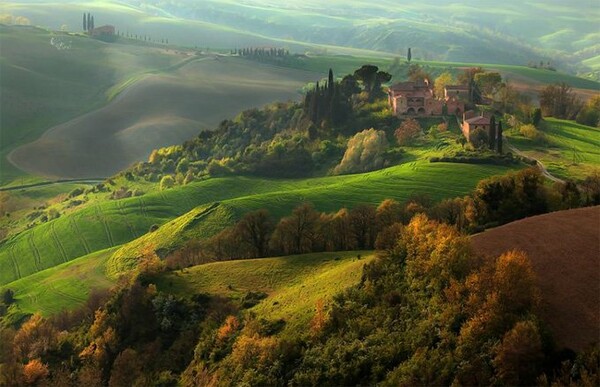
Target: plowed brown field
<point>564,248</point>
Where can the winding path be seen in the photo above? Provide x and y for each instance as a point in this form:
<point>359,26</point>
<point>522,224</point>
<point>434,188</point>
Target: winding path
<point>538,163</point>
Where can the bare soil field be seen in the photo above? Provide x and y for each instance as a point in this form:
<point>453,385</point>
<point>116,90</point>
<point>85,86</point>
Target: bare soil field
<point>564,248</point>
<point>156,111</point>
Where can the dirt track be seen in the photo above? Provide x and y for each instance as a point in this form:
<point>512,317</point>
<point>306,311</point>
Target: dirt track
<point>564,248</point>
<point>158,110</point>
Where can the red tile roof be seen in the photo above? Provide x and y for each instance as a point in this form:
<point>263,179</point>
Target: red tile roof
<point>479,120</point>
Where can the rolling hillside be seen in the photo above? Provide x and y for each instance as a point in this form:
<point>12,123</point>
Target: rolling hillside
<point>293,284</point>
<point>511,33</point>
<point>49,78</point>
<point>158,110</point>
<point>563,248</point>
<point>112,223</point>
<point>569,151</point>
<point>166,97</point>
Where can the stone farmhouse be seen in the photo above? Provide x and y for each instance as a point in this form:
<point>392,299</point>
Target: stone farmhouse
<point>471,122</point>
<point>106,30</point>
<point>418,99</point>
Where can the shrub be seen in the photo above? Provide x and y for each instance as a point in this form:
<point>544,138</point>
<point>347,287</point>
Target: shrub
<point>529,131</point>
<point>75,192</point>
<point>365,152</point>
<point>167,182</point>
<point>478,138</point>
<point>408,130</point>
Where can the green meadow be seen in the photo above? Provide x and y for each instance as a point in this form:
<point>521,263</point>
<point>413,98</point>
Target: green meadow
<point>568,150</point>
<point>108,224</point>
<point>293,284</point>
<point>65,286</point>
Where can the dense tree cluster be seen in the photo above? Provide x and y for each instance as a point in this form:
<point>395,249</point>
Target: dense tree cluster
<point>426,312</point>
<point>590,112</point>
<point>281,140</point>
<point>560,101</point>
<point>495,201</point>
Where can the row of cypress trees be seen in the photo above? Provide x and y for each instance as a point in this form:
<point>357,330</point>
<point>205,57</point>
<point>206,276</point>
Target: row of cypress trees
<point>326,102</point>
<point>88,22</point>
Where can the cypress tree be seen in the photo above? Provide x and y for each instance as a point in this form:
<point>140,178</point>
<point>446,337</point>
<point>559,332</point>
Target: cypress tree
<point>499,140</point>
<point>92,23</point>
<point>314,108</point>
<point>409,55</point>
<point>84,22</point>
<point>330,84</point>
<point>492,133</point>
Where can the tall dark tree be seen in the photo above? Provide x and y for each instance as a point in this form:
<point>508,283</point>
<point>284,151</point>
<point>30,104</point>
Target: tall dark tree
<point>537,116</point>
<point>366,74</point>
<point>84,22</point>
<point>330,85</point>
<point>409,55</point>
<point>499,139</point>
<point>92,27</point>
<point>314,104</point>
<point>492,133</point>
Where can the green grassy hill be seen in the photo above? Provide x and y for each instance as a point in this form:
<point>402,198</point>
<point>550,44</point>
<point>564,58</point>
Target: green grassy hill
<point>65,286</point>
<point>569,150</point>
<point>112,223</point>
<point>50,77</point>
<point>294,284</point>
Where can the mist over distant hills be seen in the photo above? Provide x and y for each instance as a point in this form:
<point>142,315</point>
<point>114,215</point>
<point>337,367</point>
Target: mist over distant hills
<point>514,32</point>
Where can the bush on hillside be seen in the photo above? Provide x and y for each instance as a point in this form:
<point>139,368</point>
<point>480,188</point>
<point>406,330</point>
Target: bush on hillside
<point>408,131</point>
<point>167,182</point>
<point>365,152</point>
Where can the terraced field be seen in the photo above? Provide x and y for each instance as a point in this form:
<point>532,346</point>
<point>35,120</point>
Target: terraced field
<point>113,223</point>
<point>572,151</point>
<point>294,284</point>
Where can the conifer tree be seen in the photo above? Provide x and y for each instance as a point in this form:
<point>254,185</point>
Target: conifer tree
<point>409,55</point>
<point>314,108</point>
<point>492,133</point>
<point>499,139</point>
<point>330,85</point>
<point>84,22</point>
<point>92,27</point>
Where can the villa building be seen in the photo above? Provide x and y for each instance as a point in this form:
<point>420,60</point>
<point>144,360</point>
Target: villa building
<point>418,99</point>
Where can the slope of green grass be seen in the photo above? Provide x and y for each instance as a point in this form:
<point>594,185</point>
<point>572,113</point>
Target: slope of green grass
<point>294,284</point>
<point>65,286</point>
<point>328,194</point>
<point>571,150</point>
<point>112,223</point>
<point>50,77</point>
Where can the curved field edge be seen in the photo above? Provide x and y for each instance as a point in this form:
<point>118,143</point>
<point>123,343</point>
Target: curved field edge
<point>293,284</point>
<point>109,223</point>
<point>62,287</point>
